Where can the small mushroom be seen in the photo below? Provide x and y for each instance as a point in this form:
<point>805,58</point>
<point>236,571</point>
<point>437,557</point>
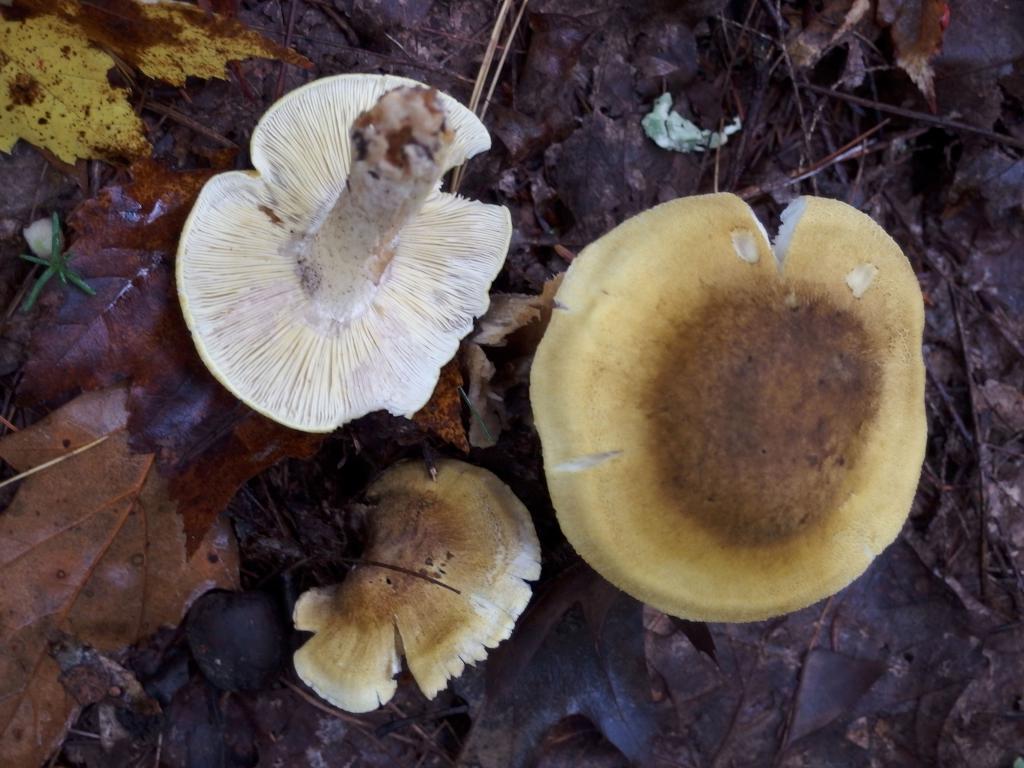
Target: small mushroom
<point>337,279</point>
<point>732,431</point>
<point>460,551</point>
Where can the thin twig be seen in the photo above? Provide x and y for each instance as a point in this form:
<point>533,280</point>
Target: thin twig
<point>924,117</point>
<point>481,77</point>
<point>312,700</point>
<point>52,462</point>
<point>402,722</point>
<point>407,61</point>
<point>979,444</point>
<point>289,30</point>
<point>510,38</point>
<point>400,569</point>
<point>849,151</point>
<point>775,11</point>
<point>476,414</point>
<point>492,46</point>
<point>346,29</point>
<point>944,395</point>
<point>188,122</point>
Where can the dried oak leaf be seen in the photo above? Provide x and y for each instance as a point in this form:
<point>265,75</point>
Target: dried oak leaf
<point>91,547</point>
<point>516,322</point>
<point>207,443</point>
<point>442,415</point>
<point>917,27</point>
<point>507,313</point>
<point>55,55</point>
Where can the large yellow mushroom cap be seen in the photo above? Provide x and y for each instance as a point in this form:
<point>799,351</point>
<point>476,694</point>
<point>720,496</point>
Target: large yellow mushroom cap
<point>466,530</point>
<point>732,431</point>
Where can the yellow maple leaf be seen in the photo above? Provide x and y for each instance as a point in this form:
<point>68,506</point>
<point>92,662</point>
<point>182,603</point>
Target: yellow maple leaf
<point>54,93</point>
<point>55,55</point>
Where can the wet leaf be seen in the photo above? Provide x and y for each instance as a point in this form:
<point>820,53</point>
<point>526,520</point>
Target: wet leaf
<point>56,54</point>
<point>1007,402</point>
<point>91,547</point>
<point>984,39</point>
<point>442,415</point>
<point>207,443</point>
<point>994,176</point>
<point>578,651</point>
<point>830,685</point>
<point>985,723</point>
<point>698,634</point>
<point>576,742</point>
<point>556,42</point>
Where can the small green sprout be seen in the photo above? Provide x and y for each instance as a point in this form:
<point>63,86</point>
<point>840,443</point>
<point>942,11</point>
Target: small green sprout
<point>476,414</point>
<point>56,264</point>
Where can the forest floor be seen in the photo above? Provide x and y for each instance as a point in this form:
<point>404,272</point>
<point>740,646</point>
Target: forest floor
<point>919,662</point>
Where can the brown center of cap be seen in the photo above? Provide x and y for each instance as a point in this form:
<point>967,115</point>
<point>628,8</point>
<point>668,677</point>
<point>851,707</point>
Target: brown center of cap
<point>758,411</point>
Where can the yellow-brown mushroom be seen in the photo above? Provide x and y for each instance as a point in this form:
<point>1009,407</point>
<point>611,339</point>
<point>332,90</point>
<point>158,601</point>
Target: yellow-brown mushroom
<point>733,430</point>
<point>466,530</point>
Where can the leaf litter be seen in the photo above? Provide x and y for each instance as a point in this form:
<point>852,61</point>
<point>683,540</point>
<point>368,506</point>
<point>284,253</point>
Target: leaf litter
<point>93,547</point>
<point>206,443</point>
<point>939,612</point>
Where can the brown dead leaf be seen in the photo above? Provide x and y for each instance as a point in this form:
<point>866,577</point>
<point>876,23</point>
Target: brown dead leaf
<point>91,547</point>
<point>828,28</point>
<point>917,27</point>
<point>91,677</point>
<point>54,90</point>
<point>442,415</point>
<point>207,443</point>
<point>507,313</point>
<point>515,323</point>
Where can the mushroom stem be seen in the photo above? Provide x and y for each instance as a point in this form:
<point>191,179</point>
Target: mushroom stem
<point>398,151</point>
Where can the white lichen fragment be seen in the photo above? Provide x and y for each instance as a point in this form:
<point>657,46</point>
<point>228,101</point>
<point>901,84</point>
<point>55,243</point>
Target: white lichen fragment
<point>745,245</point>
<point>860,278</point>
<point>790,217</point>
<point>583,463</point>
<point>670,130</point>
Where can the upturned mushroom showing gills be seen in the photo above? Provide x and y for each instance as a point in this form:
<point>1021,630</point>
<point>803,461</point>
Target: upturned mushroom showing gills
<point>337,279</point>
<point>444,579</point>
<point>733,430</point>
